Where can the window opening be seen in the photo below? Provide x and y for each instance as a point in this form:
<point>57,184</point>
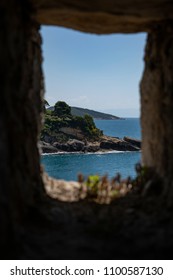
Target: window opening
<point>99,73</point>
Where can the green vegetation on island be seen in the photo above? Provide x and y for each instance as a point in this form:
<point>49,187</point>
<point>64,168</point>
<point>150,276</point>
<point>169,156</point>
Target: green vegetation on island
<point>64,132</point>
<point>60,118</point>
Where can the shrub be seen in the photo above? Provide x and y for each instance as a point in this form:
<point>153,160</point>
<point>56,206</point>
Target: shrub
<point>62,109</point>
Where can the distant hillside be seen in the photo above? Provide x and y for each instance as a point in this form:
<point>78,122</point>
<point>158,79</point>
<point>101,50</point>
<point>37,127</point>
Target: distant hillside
<point>77,111</point>
<point>96,115</point>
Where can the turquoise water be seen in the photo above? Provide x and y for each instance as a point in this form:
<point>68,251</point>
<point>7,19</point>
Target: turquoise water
<point>67,166</point>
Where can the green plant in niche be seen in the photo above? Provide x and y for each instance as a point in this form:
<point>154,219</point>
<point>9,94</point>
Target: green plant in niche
<point>92,182</point>
<point>104,190</point>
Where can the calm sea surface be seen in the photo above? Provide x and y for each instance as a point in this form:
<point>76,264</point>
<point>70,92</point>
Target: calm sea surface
<point>67,166</point>
<point>120,128</point>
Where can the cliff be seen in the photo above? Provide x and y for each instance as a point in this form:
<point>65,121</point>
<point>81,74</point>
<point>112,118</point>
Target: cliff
<point>104,144</point>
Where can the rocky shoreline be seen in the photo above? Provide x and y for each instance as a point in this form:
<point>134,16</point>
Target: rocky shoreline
<point>104,144</point>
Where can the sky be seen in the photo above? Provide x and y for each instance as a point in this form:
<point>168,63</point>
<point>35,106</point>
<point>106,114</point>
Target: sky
<point>99,72</point>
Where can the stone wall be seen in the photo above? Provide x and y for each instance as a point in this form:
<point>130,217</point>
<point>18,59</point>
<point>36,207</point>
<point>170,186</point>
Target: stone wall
<point>21,186</point>
<point>20,116</point>
<point>157,102</point>
<point>104,16</point>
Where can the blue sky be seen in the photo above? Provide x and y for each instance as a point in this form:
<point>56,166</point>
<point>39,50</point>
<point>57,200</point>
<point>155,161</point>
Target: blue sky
<point>100,72</point>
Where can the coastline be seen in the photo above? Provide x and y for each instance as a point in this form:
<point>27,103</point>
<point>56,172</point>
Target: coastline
<point>89,153</point>
<point>105,144</point>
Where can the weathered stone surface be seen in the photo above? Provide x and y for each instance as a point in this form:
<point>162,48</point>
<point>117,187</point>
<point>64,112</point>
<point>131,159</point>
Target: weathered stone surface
<point>76,145</point>
<point>61,146</point>
<point>62,190</point>
<point>157,102</point>
<point>47,148</point>
<point>49,139</point>
<point>104,16</point>
<point>117,145</point>
<point>92,148</point>
<point>132,141</point>
<point>20,118</point>
<point>70,146</point>
<point>73,132</point>
<point>104,143</point>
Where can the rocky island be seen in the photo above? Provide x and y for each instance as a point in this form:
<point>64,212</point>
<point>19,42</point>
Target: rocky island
<point>64,132</point>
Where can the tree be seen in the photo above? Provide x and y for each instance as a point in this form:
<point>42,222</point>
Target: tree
<point>89,120</point>
<point>62,109</point>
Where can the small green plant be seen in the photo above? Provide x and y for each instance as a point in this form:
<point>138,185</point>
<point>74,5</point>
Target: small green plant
<point>104,190</point>
<point>92,183</point>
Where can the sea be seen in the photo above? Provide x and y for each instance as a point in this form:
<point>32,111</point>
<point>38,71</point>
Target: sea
<point>68,165</point>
